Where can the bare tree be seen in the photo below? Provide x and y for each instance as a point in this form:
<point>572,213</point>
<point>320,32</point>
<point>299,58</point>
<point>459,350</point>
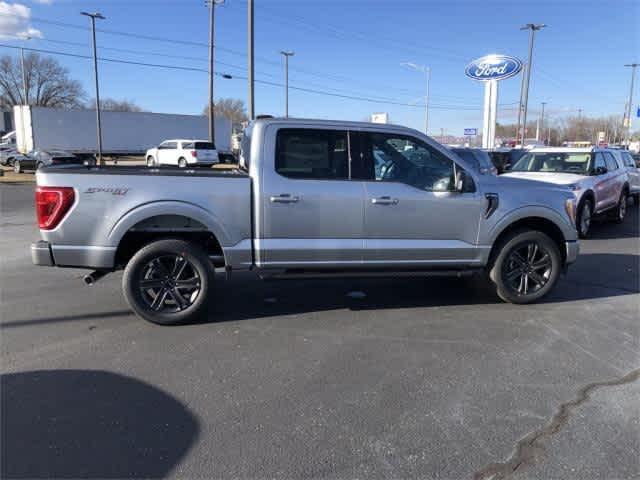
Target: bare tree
<point>113,105</point>
<point>48,83</point>
<point>231,108</point>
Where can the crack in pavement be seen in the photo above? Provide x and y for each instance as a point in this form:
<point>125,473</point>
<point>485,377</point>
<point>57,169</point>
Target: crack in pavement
<point>531,447</point>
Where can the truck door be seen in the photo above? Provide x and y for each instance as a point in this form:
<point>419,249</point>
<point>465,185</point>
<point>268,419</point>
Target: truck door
<point>413,216</point>
<point>311,212</point>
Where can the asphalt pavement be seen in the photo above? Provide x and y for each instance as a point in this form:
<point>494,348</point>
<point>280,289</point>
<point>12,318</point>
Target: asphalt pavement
<point>385,378</point>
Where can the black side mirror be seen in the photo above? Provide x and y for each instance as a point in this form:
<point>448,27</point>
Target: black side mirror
<point>601,170</point>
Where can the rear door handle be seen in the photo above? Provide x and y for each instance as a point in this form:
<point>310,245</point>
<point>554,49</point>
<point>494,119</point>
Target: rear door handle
<point>384,201</point>
<point>285,198</point>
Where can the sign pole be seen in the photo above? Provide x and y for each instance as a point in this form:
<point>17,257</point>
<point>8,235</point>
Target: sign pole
<point>486,115</point>
<point>493,115</point>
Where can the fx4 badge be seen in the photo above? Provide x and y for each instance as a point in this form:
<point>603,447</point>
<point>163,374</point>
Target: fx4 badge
<point>111,190</point>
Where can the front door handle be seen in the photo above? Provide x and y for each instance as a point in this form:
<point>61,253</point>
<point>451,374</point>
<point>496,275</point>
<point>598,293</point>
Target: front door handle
<point>285,198</point>
<point>384,201</point>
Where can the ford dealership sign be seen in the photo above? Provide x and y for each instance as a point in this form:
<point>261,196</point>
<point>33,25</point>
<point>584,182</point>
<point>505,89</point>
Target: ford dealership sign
<point>493,67</point>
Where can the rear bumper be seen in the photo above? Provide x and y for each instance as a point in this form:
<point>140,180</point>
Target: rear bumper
<point>572,251</point>
<point>41,254</point>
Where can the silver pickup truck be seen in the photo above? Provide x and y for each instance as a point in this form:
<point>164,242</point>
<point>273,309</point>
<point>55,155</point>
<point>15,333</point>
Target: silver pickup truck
<point>310,198</point>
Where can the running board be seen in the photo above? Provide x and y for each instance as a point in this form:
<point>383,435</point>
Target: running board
<point>320,274</point>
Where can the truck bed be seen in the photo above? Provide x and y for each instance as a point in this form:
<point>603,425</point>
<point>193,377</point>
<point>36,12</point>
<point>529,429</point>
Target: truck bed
<point>146,171</point>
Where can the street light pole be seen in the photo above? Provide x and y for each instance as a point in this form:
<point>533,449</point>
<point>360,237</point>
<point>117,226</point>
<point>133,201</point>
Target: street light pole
<point>533,28</point>
<point>93,17</point>
<point>212,26</point>
<point>427,72</point>
<point>286,54</point>
<point>24,74</point>
<point>542,118</point>
<point>630,103</point>
<point>250,79</point>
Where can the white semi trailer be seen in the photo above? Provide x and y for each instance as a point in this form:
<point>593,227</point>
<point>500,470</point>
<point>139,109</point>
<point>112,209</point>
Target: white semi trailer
<point>123,133</point>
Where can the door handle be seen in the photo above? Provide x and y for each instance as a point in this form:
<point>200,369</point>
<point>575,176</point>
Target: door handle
<point>384,201</point>
<point>285,198</point>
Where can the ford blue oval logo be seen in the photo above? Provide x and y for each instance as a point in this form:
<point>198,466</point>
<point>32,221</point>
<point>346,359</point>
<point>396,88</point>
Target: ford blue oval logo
<point>493,67</point>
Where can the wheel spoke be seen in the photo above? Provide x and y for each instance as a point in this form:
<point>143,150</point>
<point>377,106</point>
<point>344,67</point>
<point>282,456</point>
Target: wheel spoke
<point>538,279</point>
<point>517,258</point>
<point>526,283</point>
<point>543,262</point>
<point>161,297</point>
<point>178,267</point>
<point>193,282</point>
<point>157,263</point>
<point>150,283</point>
<point>513,274</point>
<point>177,297</point>
<point>532,251</point>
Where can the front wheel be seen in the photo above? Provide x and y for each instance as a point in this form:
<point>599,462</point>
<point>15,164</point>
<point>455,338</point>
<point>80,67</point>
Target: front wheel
<point>527,266</point>
<point>168,282</point>
<point>583,221</point>
<point>17,168</point>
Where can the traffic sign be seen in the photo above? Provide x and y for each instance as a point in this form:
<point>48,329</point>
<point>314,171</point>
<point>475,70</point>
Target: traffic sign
<point>471,131</point>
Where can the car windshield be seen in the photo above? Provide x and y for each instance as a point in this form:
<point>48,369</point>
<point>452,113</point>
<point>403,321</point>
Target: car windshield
<point>554,162</point>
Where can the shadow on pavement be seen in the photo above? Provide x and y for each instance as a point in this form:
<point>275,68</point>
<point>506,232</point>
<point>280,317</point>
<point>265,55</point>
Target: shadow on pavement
<point>245,297</point>
<point>66,318</point>
<point>602,229</point>
<point>90,424</point>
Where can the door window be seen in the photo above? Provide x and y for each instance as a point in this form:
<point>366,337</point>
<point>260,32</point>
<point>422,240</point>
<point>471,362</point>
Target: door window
<point>404,159</point>
<point>599,161</point>
<point>312,154</point>
<point>610,161</point>
<point>171,145</point>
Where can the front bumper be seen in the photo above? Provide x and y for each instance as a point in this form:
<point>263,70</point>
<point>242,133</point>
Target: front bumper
<point>41,254</point>
<point>572,251</point>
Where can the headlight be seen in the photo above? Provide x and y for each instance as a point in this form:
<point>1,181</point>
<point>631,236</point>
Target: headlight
<point>570,208</point>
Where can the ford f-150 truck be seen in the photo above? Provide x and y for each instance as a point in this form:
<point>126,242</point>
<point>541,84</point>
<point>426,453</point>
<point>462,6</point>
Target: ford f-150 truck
<point>311,198</point>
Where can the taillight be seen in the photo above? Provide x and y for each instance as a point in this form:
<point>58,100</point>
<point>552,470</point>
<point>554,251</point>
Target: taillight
<point>52,204</point>
<point>194,153</point>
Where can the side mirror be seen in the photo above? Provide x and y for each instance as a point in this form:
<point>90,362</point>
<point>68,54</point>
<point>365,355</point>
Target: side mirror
<point>461,181</point>
<point>601,170</point>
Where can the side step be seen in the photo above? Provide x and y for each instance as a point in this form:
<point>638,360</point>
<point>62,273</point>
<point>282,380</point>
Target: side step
<point>328,274</point>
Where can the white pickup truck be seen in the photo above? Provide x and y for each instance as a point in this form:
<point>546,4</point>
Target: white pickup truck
<point>312,198</point>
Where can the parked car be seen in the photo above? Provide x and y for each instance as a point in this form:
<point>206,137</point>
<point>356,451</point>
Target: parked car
<point>636,158</point>
<point>503,158</point>
<point>7,153</point>
<point>183,153</point>
<point>37,159</point>
<point>312,198</point>
<point>478,158</point>
<point>597,177</point>
<point>633,172</point>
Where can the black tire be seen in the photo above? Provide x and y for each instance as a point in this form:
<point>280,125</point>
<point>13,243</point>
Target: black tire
<point>177,303</point>
<point>17,168</point>
<point>507,263</point>
<point>151,162</point>
<point>620,212</point>
<point>583,217</point>
<point>182,163</point>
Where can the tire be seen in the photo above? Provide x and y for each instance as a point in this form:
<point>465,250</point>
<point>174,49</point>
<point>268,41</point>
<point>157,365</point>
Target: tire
<point>182,163</point>
<point>510,261</point>
<point>151,162</point>
<point>583,218</point>
<point>17,168</point>
<point>177,292</point>
<point>39,165</point>
<point>620,211</point>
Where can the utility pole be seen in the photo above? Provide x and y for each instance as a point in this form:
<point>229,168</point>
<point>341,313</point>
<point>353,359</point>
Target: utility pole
<point>542,118</point>
<point>427,72</point>
<point>524,103</point>
<point>212,28</point>
<point>579,126</point>
<point>93,17</point>
<point>24,74</point>
<point>286,55</point>
<point>630,102</point>
<point>251,99</point>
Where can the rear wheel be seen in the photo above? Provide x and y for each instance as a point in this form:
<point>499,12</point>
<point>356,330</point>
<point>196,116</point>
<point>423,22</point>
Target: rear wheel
<point>527,266</point>
<point>583,220</point>
<point>182,163</point>
<point>39,165</point>
<point>17,167</point>
<point>168,282</point>
<point>621,209</point>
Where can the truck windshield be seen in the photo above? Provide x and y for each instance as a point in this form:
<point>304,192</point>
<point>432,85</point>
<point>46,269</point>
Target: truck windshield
<point>204,146</point>
<point>554,162</point>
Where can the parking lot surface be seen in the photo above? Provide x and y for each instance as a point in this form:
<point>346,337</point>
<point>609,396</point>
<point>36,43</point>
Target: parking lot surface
<point>385,378</point>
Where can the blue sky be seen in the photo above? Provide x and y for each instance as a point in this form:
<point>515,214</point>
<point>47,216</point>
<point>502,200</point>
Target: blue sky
<point>354,47</point>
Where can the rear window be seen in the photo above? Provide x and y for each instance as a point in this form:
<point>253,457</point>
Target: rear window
<point>204,146</point>
<point>312,154</point>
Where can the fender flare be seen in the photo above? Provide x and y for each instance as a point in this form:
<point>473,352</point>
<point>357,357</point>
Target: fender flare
<point>163,207</point>
<point>532,211</point>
